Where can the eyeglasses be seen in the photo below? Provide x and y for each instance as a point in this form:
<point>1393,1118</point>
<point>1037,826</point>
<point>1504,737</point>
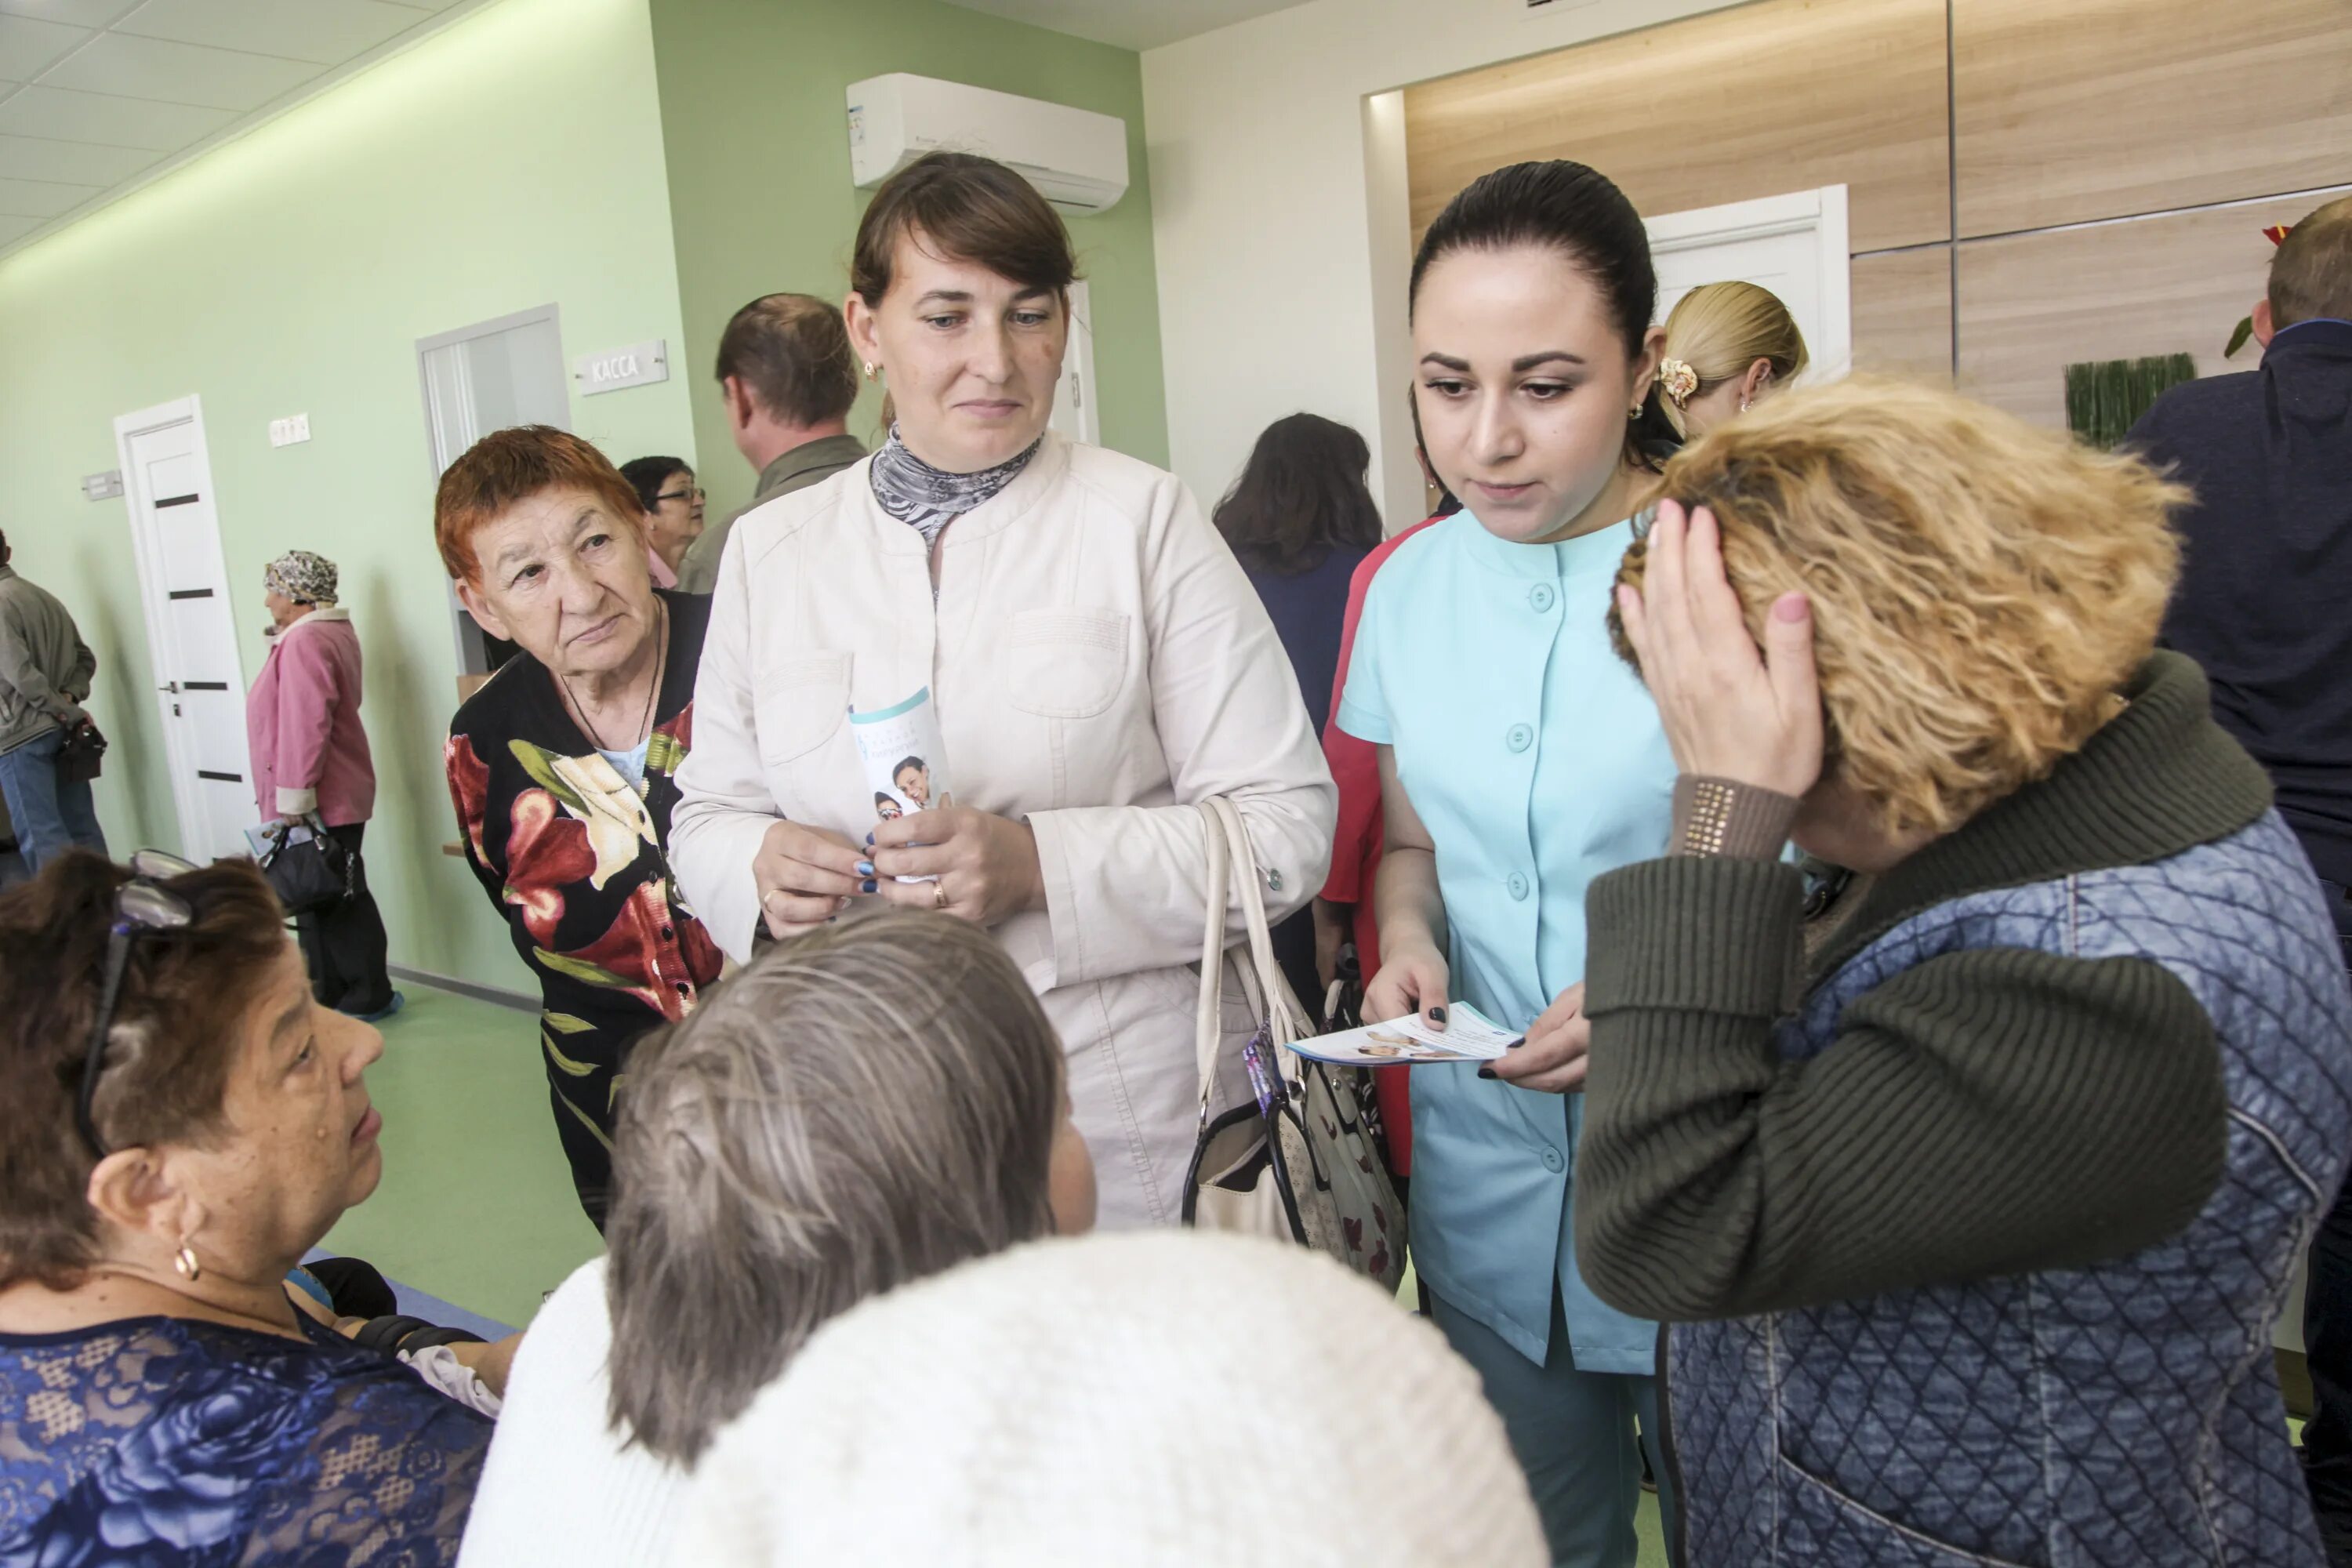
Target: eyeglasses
<point>694,495</point>
<point>142,907</point>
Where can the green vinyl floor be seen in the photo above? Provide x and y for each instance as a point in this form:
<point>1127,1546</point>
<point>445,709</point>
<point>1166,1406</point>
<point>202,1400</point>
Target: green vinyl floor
<point>477,1206</point>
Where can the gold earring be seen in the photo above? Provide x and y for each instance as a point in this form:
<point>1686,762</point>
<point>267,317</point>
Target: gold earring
<point>184,1260</point>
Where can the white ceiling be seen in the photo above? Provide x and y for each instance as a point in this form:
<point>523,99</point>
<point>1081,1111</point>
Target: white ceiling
<point>1131,23</point>
<point>97,97</point>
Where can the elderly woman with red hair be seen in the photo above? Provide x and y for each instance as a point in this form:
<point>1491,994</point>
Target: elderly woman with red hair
<point>563,767</point>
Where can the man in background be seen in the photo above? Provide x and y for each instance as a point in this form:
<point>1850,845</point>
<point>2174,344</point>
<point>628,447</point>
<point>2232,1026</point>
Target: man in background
<point>789,377</point>
<point>44,676</point>
<point>2266,604</point>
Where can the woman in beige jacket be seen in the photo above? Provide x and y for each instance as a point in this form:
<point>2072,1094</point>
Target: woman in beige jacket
<point>1095,658</point>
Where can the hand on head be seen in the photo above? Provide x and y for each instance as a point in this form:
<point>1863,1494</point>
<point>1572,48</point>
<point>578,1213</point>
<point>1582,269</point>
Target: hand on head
<point>1731,711</point>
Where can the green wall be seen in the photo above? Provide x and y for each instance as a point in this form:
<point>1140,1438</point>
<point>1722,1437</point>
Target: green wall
<point>754,113</point>
<point>513,160</point>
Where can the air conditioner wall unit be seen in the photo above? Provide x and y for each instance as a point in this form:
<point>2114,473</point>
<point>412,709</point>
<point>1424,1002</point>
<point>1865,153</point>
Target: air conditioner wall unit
<point>1076,158</point>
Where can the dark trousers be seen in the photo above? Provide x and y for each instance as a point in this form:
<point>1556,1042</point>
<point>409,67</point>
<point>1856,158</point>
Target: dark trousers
<point>346,948</point>
<point>2327,1340</point>
<point>584,1146</point>
<point>1294,953</point>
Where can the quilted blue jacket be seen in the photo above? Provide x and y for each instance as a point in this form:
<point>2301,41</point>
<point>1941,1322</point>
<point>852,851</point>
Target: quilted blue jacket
<point>2121,1415</point>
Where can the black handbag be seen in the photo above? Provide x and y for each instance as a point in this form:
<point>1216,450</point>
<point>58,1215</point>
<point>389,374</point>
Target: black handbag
<point>313,876</point>
<point>81,754</point>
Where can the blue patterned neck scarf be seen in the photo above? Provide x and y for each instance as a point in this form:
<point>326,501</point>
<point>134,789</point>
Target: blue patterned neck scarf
<point>927,498</point>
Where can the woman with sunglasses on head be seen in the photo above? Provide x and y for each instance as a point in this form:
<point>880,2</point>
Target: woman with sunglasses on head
<point>181,1122</point>
<point>1518,760</point>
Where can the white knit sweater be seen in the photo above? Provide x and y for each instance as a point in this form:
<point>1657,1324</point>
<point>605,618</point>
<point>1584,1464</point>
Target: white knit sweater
<point>558,1486</point>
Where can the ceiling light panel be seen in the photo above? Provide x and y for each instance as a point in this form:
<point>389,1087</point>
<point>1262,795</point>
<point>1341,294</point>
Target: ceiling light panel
<point>68,162</point>
<point>79,13</point>
<point>324,31</point>
<point>40,198</point>
<point>179,73</point>
<point>102,117</point>
<point>28,46</point>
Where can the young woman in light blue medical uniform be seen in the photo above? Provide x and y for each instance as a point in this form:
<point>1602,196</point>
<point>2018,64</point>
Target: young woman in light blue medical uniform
<point>1520,759</point>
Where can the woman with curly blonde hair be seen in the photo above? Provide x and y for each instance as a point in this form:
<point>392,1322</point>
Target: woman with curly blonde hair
<point>1973,1223</point>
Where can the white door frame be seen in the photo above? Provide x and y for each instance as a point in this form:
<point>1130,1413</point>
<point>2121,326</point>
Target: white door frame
<point>194,827</point>
<point>1074,395</point>
<point>1823,211</point>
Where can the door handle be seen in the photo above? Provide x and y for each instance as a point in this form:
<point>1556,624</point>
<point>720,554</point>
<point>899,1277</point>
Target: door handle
<point>174,688</point>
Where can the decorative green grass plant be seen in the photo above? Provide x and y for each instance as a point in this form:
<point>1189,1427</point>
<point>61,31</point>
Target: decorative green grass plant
<point>2106,397</point>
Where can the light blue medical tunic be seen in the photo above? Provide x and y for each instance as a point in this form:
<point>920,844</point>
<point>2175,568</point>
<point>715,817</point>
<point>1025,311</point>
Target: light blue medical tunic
<point>1535,758</point>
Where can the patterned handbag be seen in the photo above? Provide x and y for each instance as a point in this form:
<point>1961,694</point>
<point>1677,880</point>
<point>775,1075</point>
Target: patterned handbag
<point>1298,1159</point>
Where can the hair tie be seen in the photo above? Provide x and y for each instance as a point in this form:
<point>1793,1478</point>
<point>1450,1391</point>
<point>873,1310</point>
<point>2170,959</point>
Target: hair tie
<point>1677,381</point>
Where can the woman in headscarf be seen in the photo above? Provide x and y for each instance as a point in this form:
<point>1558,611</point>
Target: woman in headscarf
<point>311,767</point>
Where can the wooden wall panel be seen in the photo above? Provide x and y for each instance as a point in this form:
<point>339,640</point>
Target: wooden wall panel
<point>2069,110</point>
<point>1902,310</point>
<point>2031,304</point>
<point>1784,95</point>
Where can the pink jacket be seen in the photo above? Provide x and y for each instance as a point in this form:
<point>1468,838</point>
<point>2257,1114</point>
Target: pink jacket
<point>302,724</point>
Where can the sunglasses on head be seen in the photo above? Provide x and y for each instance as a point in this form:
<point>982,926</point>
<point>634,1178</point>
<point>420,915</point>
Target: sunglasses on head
<point>143,907</point>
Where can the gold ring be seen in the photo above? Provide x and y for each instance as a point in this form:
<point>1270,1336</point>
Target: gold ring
<point>939,895</point>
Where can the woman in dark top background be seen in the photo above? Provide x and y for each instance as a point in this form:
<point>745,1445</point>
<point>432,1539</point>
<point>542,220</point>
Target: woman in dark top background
<point>1301,521</point>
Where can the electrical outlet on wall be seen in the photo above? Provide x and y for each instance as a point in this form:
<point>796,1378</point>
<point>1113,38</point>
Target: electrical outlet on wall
<point>286,432</point>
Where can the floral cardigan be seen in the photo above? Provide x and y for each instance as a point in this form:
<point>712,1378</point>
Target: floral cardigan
<point>575,860</point>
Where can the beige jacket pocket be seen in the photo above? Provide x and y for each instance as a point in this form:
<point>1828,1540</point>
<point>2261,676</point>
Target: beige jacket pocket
<point>800,705</point>
<point>1065,664</point>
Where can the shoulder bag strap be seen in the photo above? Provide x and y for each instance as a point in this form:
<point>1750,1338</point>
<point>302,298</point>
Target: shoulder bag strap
<point>1208,1032</point>
<point>1278,1007</point>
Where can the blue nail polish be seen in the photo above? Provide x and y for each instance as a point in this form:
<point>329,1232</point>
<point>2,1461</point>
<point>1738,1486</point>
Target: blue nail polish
<point>866,886</point>
<point>869,841</point>
<point>865,867</point>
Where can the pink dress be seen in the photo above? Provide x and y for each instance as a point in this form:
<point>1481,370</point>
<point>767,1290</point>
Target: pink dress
<point>302,724</point>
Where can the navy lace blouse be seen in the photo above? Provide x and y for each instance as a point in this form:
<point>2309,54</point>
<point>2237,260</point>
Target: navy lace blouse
<point>157,1441</point>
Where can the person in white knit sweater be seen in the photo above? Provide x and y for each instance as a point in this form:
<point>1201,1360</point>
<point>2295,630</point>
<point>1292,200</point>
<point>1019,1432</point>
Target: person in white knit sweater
<point>863,1106</point>
<point>1148,1399</point>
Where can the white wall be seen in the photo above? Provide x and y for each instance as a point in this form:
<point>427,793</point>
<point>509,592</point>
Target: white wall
<point>1280,215</point>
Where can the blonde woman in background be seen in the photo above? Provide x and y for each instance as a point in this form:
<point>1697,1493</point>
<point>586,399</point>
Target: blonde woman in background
<point>1727,345</point>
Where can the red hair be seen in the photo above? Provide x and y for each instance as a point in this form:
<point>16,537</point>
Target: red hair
<point>509,466</point>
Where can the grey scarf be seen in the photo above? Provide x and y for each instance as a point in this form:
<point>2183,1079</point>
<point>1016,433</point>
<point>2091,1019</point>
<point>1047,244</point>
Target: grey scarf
<point>927,498</point>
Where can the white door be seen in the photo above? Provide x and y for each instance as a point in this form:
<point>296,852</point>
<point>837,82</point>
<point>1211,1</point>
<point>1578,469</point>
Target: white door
<point>167,484</point>
<point>1793,245</point>
<point>1075,415</point>
<point>490,376</point>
